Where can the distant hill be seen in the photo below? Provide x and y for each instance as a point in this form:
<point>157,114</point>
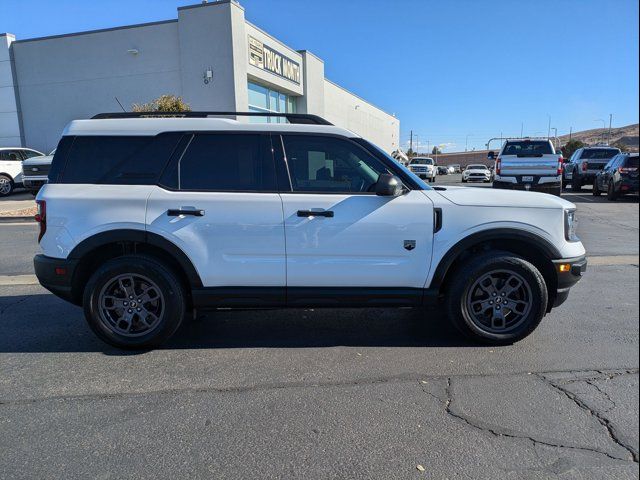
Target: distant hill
<point>628,136</point>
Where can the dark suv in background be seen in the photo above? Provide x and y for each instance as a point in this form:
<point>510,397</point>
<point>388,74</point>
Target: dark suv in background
<point>585,163</point>
<point>619,177</point>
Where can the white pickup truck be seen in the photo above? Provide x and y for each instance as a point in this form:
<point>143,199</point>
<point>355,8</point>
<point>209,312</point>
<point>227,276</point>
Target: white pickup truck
<point>528,164</point>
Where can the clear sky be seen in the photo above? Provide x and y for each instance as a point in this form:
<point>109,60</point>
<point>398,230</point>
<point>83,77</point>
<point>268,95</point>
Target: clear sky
<point>451,70</point>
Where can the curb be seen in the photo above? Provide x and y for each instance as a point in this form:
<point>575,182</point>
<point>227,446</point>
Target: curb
<point>28,219</point>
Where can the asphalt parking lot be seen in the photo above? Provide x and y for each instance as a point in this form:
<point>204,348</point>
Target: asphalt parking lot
<point>329,393</point>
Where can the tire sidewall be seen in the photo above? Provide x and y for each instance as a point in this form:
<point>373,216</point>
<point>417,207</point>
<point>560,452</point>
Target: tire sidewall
<point>166,281</point>
<point>467,276</point>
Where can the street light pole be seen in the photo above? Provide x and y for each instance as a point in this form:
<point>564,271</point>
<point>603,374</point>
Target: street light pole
<point>610,120</point>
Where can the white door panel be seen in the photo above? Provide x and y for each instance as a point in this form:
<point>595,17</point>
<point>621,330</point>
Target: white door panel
<point>362,244</point>
<point>238,242</point>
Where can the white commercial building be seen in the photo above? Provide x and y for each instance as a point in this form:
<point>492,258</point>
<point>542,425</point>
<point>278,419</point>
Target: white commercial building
<point>210,55</point>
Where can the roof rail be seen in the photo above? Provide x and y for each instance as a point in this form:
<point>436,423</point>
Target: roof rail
<point>296,118</point>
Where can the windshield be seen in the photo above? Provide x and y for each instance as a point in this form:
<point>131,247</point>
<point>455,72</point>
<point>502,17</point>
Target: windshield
<point>599,153</point>
<point>477,167</point>
<point>528,147</point>
<point>422,161</point>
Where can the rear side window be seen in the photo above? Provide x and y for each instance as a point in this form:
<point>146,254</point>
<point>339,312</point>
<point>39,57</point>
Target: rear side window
<point>528,148</point>
<point>227,163</point>
<point>128,160</point>
<point>598,153</point>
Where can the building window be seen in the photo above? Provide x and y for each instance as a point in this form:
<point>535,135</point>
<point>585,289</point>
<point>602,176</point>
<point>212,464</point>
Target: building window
<point>262,99</point>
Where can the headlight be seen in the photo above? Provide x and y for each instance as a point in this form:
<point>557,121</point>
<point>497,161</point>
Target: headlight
<point>570,225</point>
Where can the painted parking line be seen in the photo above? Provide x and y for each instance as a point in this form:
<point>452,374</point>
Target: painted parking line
<point>604,260</point>
<point>11,280</point>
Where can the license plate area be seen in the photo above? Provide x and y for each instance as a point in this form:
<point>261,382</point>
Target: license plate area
<point>527,178</point>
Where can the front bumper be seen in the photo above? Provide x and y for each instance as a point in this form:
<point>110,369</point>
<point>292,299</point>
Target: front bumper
<point>56,275</point>
<point>33,183</point>
<point>569,272</point>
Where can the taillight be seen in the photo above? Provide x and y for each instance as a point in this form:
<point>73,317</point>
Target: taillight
<point>584,166</point>
<point>627,169</point>
<point>498,166</point>
<point>560,166</point>
<point>41,217</point>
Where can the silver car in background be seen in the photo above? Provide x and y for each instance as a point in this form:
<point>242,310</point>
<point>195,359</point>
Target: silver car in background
<point>35,172</point>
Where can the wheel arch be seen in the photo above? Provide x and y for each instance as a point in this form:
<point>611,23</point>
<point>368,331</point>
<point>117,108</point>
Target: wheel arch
<point>97,249</point>
<point>533,248</point>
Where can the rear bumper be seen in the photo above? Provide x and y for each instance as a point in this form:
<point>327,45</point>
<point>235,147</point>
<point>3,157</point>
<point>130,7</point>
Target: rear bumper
<point>569,272</point>
<point>34,182</point>
<point>56,275</point>
<point>539,184</point>
<point>628,186</point>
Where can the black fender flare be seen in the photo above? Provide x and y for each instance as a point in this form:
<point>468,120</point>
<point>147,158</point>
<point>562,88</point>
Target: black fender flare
<point>138,236</point>
<point>540,243</point>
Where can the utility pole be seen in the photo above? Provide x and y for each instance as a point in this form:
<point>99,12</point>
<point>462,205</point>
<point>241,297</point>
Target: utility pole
<point>610,120</point>
<point>411,141</point>
<point>570,132</point>
<point>549,129</point>
<point>521,129</point>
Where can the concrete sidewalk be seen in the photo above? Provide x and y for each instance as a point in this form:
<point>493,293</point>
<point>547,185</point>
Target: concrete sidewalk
<point>18,204</point>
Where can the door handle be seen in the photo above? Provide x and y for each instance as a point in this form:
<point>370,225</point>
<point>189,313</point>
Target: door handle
<point>315,213</point>
<point>176,212</point>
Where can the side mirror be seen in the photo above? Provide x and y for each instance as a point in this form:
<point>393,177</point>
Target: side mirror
<point>491,155</point>
<point>388,185</point>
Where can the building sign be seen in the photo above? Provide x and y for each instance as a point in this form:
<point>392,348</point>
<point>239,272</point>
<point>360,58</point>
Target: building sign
<point>268,59</point>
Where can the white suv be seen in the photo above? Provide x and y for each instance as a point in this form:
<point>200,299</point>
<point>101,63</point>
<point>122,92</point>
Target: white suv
<point>11,167</point>
<point>146,220</point>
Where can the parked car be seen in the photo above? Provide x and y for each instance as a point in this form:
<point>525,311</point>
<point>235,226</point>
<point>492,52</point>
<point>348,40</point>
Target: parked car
<point>584,165</point>
<point>187,214</point>
<point>11,167</point>
<point>456,168</point>
<point>35,172</point>
<point>423,167</point>
<point>476,173</point>
<point>528,164</point>
<point>451,169</point>
<point>618,177</point>
<point>443,170</point>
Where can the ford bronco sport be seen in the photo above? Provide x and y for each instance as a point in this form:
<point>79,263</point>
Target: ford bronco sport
<point>145,220</point>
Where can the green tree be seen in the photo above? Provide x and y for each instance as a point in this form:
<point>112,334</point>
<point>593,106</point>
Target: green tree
<point>164,103</point>
<point>571,147</point>
<point>436,151</point>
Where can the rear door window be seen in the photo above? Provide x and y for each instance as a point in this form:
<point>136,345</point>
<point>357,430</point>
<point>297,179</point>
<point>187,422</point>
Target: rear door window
<point>598,153</point>
<point>528,148</point>
<point>223,162</point>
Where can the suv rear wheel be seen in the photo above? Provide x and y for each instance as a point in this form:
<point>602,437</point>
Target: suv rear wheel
<point>498,298</point>
<point>134,302</point>
<point>6,185</point>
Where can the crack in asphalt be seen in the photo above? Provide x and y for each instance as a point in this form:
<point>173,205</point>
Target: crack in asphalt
<point>503,433</point>
<point>605,422</point>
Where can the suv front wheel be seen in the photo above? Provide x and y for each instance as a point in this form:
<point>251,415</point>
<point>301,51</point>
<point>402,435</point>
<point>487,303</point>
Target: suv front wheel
<point>498,298</point>
<point>134,302</point>
<point>6,185</point>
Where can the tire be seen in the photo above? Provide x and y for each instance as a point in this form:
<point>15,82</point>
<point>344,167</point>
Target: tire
<point>612,195</point>
<point>576,184</point>
<point>464,181</point>
<point>6,185</point>
<point>463,287</point>
<point>557,191</point>
<point>168,302</point>
<point>596,190</point>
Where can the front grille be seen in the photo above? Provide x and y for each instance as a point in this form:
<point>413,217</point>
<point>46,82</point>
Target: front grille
<point>36,170</point>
